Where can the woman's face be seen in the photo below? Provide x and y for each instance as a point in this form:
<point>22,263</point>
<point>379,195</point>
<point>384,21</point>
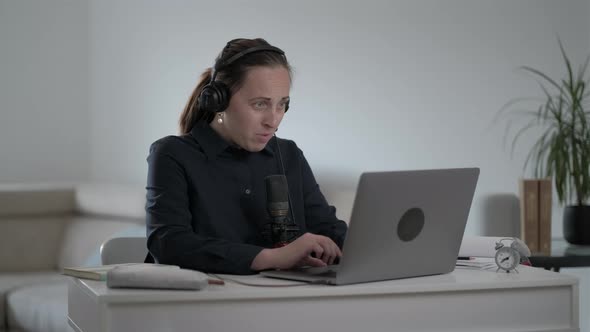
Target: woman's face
<point>256,109</point>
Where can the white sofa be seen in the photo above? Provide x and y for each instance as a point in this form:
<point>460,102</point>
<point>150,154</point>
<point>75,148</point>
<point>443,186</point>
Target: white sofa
<point>44,228</point>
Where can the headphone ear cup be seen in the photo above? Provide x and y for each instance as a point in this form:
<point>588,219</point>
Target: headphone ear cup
<point>214,97</point>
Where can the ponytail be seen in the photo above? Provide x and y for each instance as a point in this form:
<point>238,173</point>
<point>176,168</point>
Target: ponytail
<point>191,113</point>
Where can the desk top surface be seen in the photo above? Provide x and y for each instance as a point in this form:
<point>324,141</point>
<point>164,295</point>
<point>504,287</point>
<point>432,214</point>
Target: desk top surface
<point>461,279</point>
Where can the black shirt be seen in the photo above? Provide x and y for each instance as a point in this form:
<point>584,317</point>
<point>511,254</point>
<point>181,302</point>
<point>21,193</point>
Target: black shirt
<point>206,201</point>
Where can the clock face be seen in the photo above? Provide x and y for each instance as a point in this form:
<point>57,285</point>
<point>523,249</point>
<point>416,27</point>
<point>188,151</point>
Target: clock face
<point>507,258</point>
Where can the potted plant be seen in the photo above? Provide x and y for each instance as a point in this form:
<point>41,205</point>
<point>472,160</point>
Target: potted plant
<point>562,151</point>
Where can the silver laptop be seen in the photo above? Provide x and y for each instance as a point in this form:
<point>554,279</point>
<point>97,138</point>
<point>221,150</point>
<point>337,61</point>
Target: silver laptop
<point>403,224</point>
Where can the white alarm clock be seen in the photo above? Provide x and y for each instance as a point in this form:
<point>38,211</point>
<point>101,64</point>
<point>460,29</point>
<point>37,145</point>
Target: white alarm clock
<point>508,258</point>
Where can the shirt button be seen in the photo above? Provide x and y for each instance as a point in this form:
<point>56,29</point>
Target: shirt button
<point>247,191</point>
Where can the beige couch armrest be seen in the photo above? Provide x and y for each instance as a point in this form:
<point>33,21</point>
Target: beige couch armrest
<point>32,220</point>
<point>108,199</point>
<point>34,199</point>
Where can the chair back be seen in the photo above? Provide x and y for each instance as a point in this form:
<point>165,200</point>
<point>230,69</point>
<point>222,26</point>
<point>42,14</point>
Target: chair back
<point>123,250</point>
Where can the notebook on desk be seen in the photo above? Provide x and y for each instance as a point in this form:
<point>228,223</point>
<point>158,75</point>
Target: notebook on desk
<point>403,224</point>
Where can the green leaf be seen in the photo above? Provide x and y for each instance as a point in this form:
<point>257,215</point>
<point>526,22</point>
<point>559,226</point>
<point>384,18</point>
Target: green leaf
<point>545,77</point>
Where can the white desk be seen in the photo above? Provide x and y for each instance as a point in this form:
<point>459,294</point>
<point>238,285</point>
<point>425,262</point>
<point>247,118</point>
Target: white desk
<point>465,300</point>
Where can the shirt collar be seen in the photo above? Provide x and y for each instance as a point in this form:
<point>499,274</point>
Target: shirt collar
<point>213,144</point>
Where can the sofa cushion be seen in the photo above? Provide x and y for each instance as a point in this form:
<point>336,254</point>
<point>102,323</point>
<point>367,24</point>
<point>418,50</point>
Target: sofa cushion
<point>30,243</point>
<point>29,199</point>
<point>124,201</point>
<point>84,235</point>
<point>10,281</point>
<point>39,307</point>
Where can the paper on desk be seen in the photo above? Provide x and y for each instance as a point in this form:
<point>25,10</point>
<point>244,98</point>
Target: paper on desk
<point>479,246</point>
<point>483,263</point>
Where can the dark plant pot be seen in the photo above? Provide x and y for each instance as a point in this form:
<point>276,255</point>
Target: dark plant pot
<point>576,224</point>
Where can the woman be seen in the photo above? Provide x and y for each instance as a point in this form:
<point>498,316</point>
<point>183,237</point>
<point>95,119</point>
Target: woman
<point>206,198</point>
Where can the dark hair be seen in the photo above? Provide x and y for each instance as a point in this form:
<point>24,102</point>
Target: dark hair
<point>232,75</point>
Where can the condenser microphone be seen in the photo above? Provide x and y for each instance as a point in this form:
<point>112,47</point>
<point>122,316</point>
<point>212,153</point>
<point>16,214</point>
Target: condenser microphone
<point>280,228</point>
<point>277,196</point>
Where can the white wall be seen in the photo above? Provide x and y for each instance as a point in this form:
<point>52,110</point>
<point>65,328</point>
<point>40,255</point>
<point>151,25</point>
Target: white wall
<point>379,85</point>
<point>86,87</point>
<point>44,91</point>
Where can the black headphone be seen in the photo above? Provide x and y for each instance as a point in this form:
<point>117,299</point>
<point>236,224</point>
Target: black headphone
<point>215,95</point>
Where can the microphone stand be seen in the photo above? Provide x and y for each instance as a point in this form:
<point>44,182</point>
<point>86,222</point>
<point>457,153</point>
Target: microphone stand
<point>282,231</point>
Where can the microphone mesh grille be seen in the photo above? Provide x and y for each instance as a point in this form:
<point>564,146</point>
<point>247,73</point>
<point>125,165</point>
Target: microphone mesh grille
<point>276,188</point>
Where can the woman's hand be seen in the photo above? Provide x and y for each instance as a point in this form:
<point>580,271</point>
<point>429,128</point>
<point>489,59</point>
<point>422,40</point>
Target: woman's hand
<point>309,249</point>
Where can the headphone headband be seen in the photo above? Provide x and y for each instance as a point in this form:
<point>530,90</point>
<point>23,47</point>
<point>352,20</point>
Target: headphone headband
<point>248,51</point>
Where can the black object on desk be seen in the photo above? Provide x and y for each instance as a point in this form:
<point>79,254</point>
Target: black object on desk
<point>563,254</point>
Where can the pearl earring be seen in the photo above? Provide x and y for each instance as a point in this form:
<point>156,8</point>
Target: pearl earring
<point>220,118</point>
